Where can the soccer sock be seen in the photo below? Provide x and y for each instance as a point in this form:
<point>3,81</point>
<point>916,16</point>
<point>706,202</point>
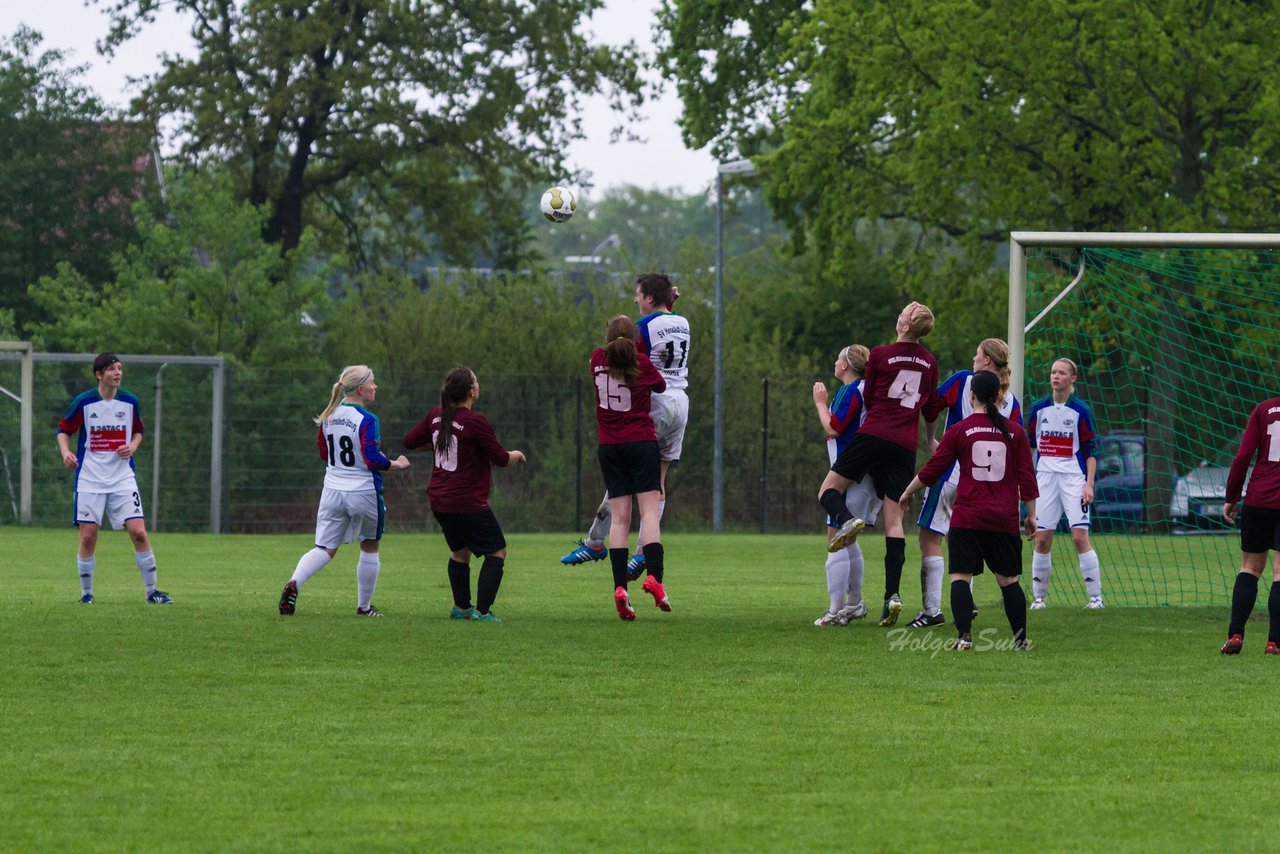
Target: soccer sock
<point>1243,597</point>
<point>1015,608</point>
<point>895,556</point>
<point>309,564</point>
<point>855,573</point>
<point>147,566</point>
<point>598,535</point>
<point>460,584</point>
<point>662,508</point>
<point>488,583</point>
<point>618,560</point>
<point>1273,609</point>
<point>962,606</point>
<point>833,502</point>
<point>366,578</point>
<point>1041,566</point>
<point>932,571</point>
<point>837,578</point>
<point>84,565</point>
<point>654,555</point>
<point>1089,572</point>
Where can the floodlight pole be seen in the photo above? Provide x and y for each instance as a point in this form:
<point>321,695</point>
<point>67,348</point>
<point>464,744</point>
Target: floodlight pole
<point>735,167</point>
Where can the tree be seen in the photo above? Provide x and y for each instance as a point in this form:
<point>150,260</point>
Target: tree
<point>415,123</point>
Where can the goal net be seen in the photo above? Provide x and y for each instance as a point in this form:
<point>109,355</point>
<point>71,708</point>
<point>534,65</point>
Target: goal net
<point>1176,339</point>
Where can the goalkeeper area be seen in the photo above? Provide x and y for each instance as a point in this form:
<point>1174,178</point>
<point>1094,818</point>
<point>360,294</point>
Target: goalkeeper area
<point>1176,339</point>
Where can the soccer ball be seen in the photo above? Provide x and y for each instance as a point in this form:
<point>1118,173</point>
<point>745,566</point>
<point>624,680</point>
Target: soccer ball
<point>558,204</point>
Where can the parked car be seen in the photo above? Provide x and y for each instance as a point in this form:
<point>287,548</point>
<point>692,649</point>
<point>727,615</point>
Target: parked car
<point>1118,482</point>
<point>1199,494</point>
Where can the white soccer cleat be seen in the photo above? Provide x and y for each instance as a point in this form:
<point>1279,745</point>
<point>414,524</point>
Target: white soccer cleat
<point>850,613</point>
<point>1037,605</point>
<point>828,618</point>
<point>1095,604</point>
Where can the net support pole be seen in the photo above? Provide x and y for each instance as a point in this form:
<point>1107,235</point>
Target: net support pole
<point>1017,313</point>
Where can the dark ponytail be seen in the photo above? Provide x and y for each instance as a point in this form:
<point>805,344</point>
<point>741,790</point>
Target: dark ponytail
<point>620,349</point>
<point>453,393</point>
<point>986,388</point>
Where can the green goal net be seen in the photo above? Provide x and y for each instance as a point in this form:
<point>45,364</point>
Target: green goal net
<point>1176,339</point>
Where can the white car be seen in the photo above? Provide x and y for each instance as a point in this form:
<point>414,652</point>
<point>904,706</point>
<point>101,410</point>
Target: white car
<point>1198,496</point>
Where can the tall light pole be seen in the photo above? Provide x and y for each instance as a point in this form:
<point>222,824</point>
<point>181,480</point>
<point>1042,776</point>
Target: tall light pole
<point>734,167</point>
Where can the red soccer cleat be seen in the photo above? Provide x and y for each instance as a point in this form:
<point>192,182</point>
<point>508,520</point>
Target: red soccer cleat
<point>625,611</point>
<point>1233,645</point>
<point>1272,649</point>
<point>654,588</point>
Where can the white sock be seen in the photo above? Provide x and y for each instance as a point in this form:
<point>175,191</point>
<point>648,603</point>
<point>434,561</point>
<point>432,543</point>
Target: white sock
<point>854,595</point>
<point>147,566</point>
<point>1041,566</point>
<point>309,564</point>
<point>662,508</point>
<point>598,534</point>
<point>1089,572</point>
<point>366,578</point>
<point>933,571</point>
<point>837,578</point>
<point>84,565</point>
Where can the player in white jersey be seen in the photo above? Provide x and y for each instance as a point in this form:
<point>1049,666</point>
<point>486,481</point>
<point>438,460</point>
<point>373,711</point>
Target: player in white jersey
<point>108,424</point>
<point>1064,435</point>
<point>351,505</point>
<point>935,516</point>
<point>663,336</point>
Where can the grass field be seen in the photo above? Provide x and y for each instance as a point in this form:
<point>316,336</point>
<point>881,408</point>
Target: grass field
<point>731,724</point>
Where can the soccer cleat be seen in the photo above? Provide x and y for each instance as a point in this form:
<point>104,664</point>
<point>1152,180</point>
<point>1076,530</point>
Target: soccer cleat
<point>1233,645</point>
<point>623,604</point>
<point>1095,604</point>
<point>635,566</point>
<point>159,597</point>
<point>654,588</point>
<point>892,607</point>
<point>1037,605</point>
<point>963,642</point>
<point>584,554</point>
<point>368,612</point>
<point>829,618</point>
<point>852,612</point>
<point>289,598</point>
<point>463,613</point>
<point>1272,649</point>
<point>1021,644</point>
<point>846,536</point>
<point>86,599</point>
<point>486,618</point>
<point>924,620</point>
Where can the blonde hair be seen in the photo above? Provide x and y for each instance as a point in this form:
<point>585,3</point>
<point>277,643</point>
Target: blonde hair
<point>998,352</point>
<point>1072,366</point>
<point>351,378</point>
<point>920,323</point>
<point>855,356</point>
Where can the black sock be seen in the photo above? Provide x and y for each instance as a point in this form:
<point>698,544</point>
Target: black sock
<point>618,559</point>
<point>653,556</point>
<point>962,606</point>
<point>833,502</point>
<point>1273,608</point>
<point>460,583</point>
<point>488,583</point>
<point>1015,608</point>
<point>1243,597</point>
<point>895,555</point>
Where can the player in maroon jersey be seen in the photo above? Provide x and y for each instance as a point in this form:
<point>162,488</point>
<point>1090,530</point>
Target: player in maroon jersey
<point>624,381</point>
<point>994,459</point>
<point>1259,522</point>
<point>900,385</point>
<point>465,447</point>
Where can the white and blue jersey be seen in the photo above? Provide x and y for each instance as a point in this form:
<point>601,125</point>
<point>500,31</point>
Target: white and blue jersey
<point>102,427</point>
<point>847,415</point>
<point>1063,435</point>
<point>350,443</point>
<point>664,337</point>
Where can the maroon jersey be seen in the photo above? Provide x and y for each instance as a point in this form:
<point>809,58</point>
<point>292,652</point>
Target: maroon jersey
<point>994,471</point>
<point>622,411</point>
<point>459,476</point>
<point>1261,437</point>
<point>900,383</point>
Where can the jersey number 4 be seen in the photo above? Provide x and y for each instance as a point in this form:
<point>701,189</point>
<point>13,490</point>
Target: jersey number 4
<point>906,388</point>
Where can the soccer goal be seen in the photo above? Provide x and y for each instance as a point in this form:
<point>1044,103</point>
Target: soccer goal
<point>1176,339</point>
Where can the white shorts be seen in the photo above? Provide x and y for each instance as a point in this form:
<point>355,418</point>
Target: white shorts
<point>1060,492</point>
<point>670,413</point>
<point>346,516</point>
<point>861,501</point>
<point>120,506</point>
<point>939,500</point>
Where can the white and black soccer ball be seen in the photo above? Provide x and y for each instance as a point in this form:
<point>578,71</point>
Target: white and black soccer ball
<point>558,204</point>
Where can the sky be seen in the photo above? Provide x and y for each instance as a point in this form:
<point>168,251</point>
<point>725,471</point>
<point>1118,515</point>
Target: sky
<point>661,162</point>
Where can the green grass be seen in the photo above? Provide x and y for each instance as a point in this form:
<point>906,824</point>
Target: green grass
<point>730,724</point>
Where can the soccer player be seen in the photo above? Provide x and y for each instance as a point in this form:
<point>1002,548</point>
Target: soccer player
<point>1065,437</point>
<point>351,505</point>
<point>624,381</point>
<point>840,421</point>
<point>900,385</point>
<point>935,516</point>
<point>1259,522</point>
<point>994,460</point>
<point>663,336</point>
<point>465,448</point>
<point>107,422</point>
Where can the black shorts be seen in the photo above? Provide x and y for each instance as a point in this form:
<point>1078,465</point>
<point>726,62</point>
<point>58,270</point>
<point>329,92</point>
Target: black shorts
<point>969,549</point>
<point>1259,529</point>
<point>630,468</point>
<point>478,531</point>
<point>890,465</point>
